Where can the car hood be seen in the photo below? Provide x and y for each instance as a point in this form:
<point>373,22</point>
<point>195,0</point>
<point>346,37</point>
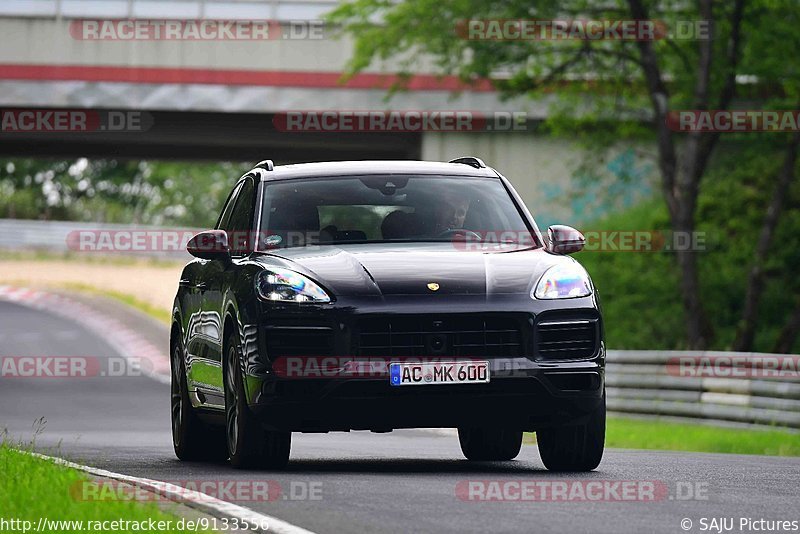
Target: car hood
<point>407,269</point>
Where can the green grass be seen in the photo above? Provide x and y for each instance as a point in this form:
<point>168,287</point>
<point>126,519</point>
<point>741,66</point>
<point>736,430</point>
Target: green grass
<point>639,434</point>
<point>155,312</point>
<point>625,433</point>
<point>32,487</point>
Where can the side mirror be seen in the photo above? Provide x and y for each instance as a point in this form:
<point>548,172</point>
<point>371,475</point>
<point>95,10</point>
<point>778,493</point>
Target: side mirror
<point>209,245</point>
<point>564,239</point>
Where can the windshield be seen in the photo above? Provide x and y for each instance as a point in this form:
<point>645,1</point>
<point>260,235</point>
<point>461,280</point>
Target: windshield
<point>379,209</point>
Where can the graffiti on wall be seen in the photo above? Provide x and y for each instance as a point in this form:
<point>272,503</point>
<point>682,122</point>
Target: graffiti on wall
<point>588,195</point>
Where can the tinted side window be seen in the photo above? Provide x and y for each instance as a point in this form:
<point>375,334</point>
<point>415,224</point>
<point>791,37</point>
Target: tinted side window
<point>240,225</point>
<point>224,218</point>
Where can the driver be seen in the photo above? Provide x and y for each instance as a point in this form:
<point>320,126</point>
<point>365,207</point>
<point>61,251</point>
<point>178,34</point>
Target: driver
<point>451,212</point>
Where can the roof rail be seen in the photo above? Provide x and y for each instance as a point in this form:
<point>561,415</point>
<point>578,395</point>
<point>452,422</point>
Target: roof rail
<point>266,165</point>
<point>472,161</point>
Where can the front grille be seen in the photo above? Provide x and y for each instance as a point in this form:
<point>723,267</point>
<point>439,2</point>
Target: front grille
<point>440,336</point>
<point>298,340</point>
<point>566,339</point>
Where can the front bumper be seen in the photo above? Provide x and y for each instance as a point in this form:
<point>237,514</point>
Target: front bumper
<point>528,389</point>
<point>528,397</point>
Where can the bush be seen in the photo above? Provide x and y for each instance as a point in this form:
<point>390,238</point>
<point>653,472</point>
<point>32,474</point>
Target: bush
<point>640,291</point>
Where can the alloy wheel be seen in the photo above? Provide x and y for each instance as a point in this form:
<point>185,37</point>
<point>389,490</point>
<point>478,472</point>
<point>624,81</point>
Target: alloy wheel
<point>231,401</point>
<point>176,394</point>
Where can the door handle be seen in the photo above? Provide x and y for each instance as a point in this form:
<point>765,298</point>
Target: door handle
<point>202,286</point>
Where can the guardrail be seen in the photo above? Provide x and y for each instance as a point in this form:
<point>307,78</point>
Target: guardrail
<point>715,386</point>
<point>117,239</point>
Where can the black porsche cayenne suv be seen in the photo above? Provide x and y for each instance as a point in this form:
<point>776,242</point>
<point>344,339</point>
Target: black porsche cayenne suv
<point>376,295</point>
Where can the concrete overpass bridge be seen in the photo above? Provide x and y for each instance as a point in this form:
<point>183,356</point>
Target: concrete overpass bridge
<point>206,98</point>
<point>218,99</point>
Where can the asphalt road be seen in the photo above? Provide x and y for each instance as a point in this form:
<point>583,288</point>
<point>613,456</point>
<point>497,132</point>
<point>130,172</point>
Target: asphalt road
<point>405,481</point>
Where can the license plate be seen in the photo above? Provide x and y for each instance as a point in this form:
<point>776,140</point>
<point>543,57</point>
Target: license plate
<point>423,374</point>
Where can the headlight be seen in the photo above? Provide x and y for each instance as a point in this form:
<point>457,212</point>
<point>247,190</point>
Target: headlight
<point>284,285</point>
<point>563,281</point>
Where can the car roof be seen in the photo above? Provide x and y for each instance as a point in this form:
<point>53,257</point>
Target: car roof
<point>383,167</point>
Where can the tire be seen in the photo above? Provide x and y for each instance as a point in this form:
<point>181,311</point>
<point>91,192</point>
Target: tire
<point>575,447</point>
<point>489,444</point>
<point>249,445</point>
<point>192,439</point>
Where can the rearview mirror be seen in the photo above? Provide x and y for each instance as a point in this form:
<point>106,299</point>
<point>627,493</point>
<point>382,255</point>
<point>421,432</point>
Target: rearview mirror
<point>564,239</point>
<point>209,245</point>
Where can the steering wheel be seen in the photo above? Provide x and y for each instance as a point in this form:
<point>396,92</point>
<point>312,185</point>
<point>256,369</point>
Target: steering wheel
<point>463,232</point>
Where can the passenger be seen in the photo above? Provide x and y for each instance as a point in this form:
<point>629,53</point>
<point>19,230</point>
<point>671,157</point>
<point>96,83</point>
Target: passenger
<point>397,225</point>
<point>451,213</point>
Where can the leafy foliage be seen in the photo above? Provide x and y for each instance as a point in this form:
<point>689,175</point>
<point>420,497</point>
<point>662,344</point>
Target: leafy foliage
<point>161,193</point>
<point>730,210</point>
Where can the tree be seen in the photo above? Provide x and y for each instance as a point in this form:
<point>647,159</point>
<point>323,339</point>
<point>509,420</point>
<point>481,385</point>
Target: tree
<point>788,335</point>
<point>614,80</point>
<point>745,335</point>
<point>762,61</point>
<point>121,191</point>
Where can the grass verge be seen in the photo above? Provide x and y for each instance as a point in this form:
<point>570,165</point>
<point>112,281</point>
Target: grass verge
<point>639,434</point>
<point>32,488</point>
<point>623,433</point>
<point>155,312</point>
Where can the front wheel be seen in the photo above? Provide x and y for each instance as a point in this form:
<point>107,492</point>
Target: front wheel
<point>249,444</point>
<point>490,444</point>
<point>575,447</point>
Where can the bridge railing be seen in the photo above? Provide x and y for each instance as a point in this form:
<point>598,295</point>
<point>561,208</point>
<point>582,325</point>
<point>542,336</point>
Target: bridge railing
<point>284,10</point>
